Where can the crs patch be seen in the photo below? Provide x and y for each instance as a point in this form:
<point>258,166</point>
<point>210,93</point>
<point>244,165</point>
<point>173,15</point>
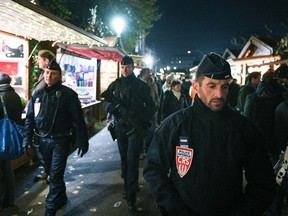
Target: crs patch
<point>184,157</point>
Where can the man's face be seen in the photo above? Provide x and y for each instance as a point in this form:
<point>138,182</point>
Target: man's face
<point>126,70</point>
<point>213,93</point>
<point>147,76</point>
<point>176,88</point>
<point>42,62</point>
<point>51,76</point>
<point>256,81</point>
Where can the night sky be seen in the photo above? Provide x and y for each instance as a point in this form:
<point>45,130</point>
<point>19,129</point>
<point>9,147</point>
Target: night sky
<point>210,25</point>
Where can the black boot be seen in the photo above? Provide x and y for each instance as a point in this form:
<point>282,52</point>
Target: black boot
<point>50,212</point>
<point>132,207</point>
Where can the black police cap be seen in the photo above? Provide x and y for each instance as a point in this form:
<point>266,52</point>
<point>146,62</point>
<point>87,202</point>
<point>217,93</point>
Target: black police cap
<point>281,72</point>
<point>126,60</point>
<point>214,66</point>
<point>53,65</point>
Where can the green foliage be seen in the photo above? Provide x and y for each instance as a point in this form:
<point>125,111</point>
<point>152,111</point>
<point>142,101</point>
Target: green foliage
<point>34,69</point>
<point>95,16</point>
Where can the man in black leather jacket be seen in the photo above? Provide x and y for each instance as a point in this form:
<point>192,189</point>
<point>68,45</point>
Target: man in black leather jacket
<point>52,112</point>
<point>196,159</point>
<point>132,106</point>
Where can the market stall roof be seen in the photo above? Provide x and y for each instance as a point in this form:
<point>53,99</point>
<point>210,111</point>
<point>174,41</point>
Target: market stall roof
<point>104,53</point>
<point>25,19</point>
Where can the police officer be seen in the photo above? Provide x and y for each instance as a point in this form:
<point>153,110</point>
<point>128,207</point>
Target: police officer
<point>132,106</point>
<point>43,59</point>
<point>52,112</point>
<point>196,159</point>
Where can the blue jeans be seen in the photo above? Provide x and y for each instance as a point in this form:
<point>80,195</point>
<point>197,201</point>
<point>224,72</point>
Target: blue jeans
<point>55,153</point>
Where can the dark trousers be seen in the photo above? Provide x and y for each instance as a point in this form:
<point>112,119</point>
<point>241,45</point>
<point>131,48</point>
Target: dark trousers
<point>55,154</point>
<point>130,148</point>
<point>39,157</point>
<point>7,182</point>
<point>278,204</point>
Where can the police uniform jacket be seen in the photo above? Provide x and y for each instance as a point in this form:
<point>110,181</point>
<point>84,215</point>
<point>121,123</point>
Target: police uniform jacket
<point>130,96</point>
<point>63,103</point>
<point>219,145</point>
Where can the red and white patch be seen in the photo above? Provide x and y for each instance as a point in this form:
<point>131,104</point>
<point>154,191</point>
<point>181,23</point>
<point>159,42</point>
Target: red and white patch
<point>184,158</point>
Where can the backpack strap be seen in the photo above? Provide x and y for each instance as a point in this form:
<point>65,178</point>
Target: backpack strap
<point>183,137</point>
<point>4,106</point>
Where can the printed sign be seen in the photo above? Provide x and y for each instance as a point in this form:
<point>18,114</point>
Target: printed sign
<point>184,158</point>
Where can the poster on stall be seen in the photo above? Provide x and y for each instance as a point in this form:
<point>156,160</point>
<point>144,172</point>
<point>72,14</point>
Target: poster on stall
<point>13,61</point>
<point>79,74</point>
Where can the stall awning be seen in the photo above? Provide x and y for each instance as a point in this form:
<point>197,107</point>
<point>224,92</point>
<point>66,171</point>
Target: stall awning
<point>103,53</point>
<point>25,19</point>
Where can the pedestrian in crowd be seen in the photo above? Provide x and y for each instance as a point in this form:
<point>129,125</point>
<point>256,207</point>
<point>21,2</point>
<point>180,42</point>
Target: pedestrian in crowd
<point>14,109</point>
<point>133,108</point>
<point>174,100</point>
<point>261,105</point>
<point>145,76</point>
<point>253,79</point>
<point>192,91</point>
<point>43,59</point>
<point>185,89</point>
<point>197,167</point>
<point>234,88</point>
<point>52,113</point>
<point>281,137</point>
<point>165,87</point>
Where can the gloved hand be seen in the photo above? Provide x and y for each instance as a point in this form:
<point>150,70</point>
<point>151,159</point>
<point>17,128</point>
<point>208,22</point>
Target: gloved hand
<point>26,150</point>
<point>82,150</point>
<point>113,108</point>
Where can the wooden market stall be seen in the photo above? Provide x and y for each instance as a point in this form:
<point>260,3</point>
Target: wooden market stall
<point>21,22</point>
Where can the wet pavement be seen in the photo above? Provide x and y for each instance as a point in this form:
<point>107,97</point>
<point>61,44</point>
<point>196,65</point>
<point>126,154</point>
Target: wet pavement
<point>93,184</point>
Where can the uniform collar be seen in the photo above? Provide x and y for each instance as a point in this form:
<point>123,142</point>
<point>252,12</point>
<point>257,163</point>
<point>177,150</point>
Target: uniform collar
<point>53,87</point>
<point>206,112</point>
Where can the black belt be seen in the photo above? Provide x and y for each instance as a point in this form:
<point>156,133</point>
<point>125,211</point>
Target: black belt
<point>45,134</point>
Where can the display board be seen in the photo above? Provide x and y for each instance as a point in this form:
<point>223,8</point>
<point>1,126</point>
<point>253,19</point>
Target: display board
<point>13,61</point>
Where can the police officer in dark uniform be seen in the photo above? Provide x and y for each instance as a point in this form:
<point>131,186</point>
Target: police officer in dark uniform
<point>131,104</point>
<point>52,112</point>
<point>197,156</point>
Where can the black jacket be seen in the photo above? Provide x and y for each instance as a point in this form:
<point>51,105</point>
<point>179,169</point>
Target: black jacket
<point>13,104</point>
<point>260,109</point>
<point>224,143</point>
<point>281,123</point>
<point>131,96</point>
<point>171,104</point>
<point>69,114</point>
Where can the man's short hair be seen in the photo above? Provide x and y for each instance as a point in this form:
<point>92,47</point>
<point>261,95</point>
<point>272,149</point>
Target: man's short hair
<point>126,60</point>
<point>175,82</point>
<point>254,75</point>
<point>46,54</point>
<point>143,71</point>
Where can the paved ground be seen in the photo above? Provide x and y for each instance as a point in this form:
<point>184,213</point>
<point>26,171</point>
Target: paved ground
<point>93,184</point>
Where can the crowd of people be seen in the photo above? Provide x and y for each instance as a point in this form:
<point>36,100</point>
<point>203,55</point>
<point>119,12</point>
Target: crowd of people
<point>202,139</point>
